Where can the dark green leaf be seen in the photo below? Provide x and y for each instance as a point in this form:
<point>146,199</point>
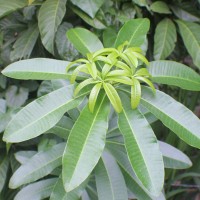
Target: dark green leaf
<point>50,16</point>
<point>164,39</point>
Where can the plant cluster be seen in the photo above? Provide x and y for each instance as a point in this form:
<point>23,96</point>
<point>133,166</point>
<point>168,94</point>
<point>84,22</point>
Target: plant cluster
<point>117,66</point>
<point>65,117</point>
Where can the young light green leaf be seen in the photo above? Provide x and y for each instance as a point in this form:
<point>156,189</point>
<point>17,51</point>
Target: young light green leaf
<point>7,7</point>
<point>191,38</point>
<point>84,84</point>
<point>39,190</point>
<point>174,115</point>
<point>141,57</point>
<point>82,154</point>
<point>109,179</point>
<point>174,158</point>
<point>134,31</point>
<point>143,149</point>
<point>164,39</point>
<point>93,96</point>
<point>120,79</point>
<point>41,115</point>
<point>24,45</point>
<point>113,96</point>
<point>160,7</point>
<point>148,82</point>
<point>50,16</point>
<point>84,40</point>
<point>135,93</point>
<point>173,73</point>
<point>34,169</point>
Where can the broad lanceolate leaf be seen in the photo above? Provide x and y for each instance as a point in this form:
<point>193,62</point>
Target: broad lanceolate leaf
<point>89,6</point>
<point>38,69</point>
<point>174,115</point>
<point>40,165</point>
<point>84,40</point>
<point>50,16</point>
<point>134,185</point>
<point>173,73</point>
<point>160,7</point>
<point>164,39</point>
<point>85,144</point>
<point>36,191</point>
<point>65,49</point>
<point>7,7</point>
<point>40,115</point>
<point>25,43</point>
<point>134,31</point>
<point>174,158</point>
<point>191,38</point>
<point>109,180</point>
<point>142,148</point>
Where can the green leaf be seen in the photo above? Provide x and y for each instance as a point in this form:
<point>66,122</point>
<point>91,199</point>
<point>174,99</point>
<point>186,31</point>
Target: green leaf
<point>135,93</point>
<point>38,69</point>
<point>34,169</point>
<point>89,6</point>
<point>4,166</point>
<point>84,40</point>
<point>109,180</point>
<point>84,84</point>
<point>24,45</point>
<point>109,37</point>
<point>36,191</point>
<point>40,115</point>
<point>50,16</point>
<point>65,49</point>
<point>174,158</point>
<point>6,7</point>
<point>82,154</point>
<point>133,184</point>
<point>190,34</point>
<point>94,22</point>
<point>183,13</point>
<point>134,31</point>
<point>16,97</point>
<point>173,73</point>
<point>93,96</point>
<point>140,2</point>
<point>143,149</point>
<point>113,96</point>
<point>164,39</point>
<point>23,156</point>
<point>173,115</point>
<point>160,7</point>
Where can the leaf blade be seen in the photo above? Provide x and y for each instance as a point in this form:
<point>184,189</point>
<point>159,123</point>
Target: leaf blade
<point>78,153</point>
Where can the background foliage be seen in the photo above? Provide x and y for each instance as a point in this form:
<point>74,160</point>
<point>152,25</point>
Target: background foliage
<point>30,29</point>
